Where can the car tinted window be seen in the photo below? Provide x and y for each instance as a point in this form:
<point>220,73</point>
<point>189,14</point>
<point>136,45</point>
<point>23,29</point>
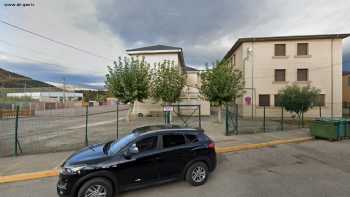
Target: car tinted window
<point>173,140</point>
<point>117,145</point>
<point>147,144</point>
<point>191,138</point>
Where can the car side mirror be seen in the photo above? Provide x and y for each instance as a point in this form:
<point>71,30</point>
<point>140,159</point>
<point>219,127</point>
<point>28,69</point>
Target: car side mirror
<point>132,150</point>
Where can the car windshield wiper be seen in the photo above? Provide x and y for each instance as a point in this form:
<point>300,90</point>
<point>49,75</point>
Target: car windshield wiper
<point>106,147</point>
<point>92,148</point>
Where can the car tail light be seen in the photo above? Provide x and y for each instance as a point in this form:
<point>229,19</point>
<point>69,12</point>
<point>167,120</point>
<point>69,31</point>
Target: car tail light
<point>211,145</point>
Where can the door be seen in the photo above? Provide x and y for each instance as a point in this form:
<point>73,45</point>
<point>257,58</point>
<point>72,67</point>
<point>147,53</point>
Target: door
<point>174,155</point>
<point>141,167</point>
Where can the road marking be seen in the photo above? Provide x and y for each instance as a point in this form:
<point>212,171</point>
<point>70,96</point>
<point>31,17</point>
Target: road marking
<point>260,145</point>
<point>28,176</point>
<point>219,150</point>
<point>94,124</point>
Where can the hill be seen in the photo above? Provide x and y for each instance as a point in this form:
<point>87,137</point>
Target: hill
<point>13,80</point>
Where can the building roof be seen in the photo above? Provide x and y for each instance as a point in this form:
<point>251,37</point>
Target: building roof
<point>159,49</point>
<point>282,38</point>
<point>156,48</point>
<point>187,68</point>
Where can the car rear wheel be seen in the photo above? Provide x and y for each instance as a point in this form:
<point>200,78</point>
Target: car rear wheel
<point>96,187</point>
<point>197,174</point>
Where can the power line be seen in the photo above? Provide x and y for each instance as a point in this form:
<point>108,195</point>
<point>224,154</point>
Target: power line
<point>31,59</point>
<point>55,41</point>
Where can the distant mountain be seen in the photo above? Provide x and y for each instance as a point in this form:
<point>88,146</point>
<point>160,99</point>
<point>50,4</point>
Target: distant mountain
<point>13,80</point>
<point>74,87</point>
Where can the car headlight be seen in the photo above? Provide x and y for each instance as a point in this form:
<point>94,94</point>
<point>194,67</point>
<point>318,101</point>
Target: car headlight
<point>69,170</point>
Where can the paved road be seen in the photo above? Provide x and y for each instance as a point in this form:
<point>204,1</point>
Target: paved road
<point>317,168</point>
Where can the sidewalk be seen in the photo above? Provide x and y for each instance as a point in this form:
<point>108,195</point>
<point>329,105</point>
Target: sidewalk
<point>44,162</point>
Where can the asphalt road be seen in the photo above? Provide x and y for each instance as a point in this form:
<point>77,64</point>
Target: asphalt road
<point>317,168</point>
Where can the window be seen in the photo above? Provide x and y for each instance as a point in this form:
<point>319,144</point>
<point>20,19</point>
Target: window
<point>264,100</point>
<point>280,50</point>
<point>280,74</point>
<point>173,140</point>
<point>192,138</point>
<point>302,49</point>
<point>302,74</point>
<point>147,144</point>
<point>321,100</point>
<point>277,100</point>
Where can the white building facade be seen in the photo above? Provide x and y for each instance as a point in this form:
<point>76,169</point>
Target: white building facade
<point>160,53</point>
<point>271,63</point>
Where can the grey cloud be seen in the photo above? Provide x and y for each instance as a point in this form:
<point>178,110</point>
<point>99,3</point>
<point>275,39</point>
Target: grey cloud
<point>206,28</point>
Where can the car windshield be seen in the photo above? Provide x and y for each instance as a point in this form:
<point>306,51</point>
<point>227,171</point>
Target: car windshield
<point>117,145</point>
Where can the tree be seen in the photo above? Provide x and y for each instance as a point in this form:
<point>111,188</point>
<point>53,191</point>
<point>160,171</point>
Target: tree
<point>221,84</point>
<point>298,99</point>
<point>129,81</point>
<point>167,84</point>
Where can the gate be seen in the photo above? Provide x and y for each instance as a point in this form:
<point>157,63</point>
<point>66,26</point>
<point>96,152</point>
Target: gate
<point>183,114</point>
<point>231,118</point>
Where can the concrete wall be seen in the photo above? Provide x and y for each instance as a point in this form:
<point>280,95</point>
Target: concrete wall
<point>325,58</point>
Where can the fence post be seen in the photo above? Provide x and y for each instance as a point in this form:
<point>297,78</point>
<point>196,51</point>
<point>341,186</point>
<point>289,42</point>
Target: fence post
<point>16,129</point>
<point>236,118</point>
<point>302,119</point>
<point>117,119</point>
<point>282,119</point>
<point>199,116</point>
<point>86,124</point>
<point>320,111</point>
<point>226,118</point>
<point>264,119</point>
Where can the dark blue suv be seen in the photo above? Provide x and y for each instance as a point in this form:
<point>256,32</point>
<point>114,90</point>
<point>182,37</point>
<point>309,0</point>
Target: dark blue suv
<point>147,156</point>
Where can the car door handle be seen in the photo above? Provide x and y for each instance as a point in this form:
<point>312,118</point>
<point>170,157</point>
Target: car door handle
<point>157,158</point>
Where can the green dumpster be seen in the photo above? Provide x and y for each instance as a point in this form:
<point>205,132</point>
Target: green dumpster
<point>331,129</point>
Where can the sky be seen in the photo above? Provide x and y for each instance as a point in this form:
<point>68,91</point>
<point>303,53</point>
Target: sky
<point>104,29</point>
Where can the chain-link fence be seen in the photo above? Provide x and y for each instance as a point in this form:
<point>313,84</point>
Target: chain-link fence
<point>256,119</point>
<point>59,129</point>
<point>24,130</point>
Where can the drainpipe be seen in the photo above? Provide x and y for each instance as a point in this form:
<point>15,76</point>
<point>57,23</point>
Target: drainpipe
<point>253,102</point>
<point>332,82</point>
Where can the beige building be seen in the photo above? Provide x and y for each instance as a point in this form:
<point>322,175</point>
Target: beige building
<point>271,63</point>
<point>190,94</point>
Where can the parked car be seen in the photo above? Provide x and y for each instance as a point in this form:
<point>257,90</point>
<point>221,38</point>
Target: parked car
<point>147,156</point>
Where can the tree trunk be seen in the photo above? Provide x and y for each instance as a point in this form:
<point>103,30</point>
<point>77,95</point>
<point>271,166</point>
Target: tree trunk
<point>130,110</point>
<point>219,114</point>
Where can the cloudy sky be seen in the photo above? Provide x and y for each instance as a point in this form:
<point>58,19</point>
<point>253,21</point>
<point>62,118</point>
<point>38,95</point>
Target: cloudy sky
<point>104,29</point>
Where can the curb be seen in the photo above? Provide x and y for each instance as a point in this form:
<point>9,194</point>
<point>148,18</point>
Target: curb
<point>28,176</point>
<point>242,147</point>
<point>219,150</point>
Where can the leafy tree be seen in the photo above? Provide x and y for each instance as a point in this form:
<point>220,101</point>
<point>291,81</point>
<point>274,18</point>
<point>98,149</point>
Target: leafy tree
<point>167,83</point>
<point>221,84</point>
<point>129,80</point>
<point>298,99</point>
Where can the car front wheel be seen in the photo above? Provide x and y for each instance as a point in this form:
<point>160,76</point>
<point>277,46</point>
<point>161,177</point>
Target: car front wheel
<point>197,174</point>
<point>96,187</point>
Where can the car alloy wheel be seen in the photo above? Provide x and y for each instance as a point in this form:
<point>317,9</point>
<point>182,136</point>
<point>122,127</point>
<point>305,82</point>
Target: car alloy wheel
<point>96,191</point>
<point>199,174</point>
